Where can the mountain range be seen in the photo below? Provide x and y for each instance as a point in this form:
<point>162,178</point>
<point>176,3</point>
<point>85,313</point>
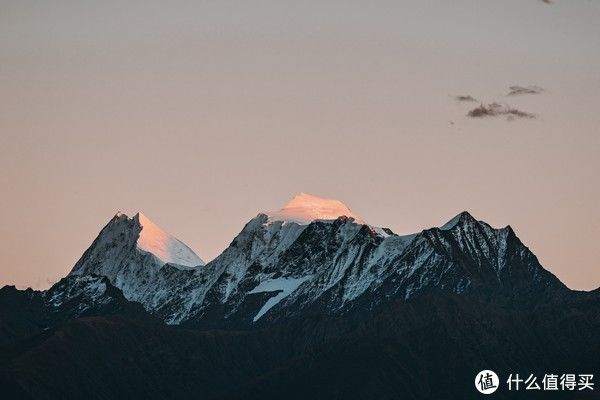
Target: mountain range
<point>306,301</point>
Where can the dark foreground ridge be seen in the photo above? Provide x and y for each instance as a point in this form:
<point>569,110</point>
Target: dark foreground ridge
<point>430,347</point>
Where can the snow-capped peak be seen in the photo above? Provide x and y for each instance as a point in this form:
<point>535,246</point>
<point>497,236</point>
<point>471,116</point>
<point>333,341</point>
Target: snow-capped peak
<point>165,247</point>
<point>305,208</point>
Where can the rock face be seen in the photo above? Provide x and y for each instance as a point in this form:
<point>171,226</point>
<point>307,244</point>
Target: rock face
<point>274,271</point>
<point>305,258</point>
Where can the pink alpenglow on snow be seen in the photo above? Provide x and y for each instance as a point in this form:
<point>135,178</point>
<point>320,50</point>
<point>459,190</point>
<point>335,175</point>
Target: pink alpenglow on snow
<point>164,246</point>
<point>305,208</point>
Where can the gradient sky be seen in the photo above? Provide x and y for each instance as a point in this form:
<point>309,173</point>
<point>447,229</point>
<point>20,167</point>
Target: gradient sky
<point>201,114</point>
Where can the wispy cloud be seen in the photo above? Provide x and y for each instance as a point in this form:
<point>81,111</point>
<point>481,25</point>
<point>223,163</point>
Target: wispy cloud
<point>465,98</point>
<point>498,110</point>
<point>547,1</point>
<point>520,90</point>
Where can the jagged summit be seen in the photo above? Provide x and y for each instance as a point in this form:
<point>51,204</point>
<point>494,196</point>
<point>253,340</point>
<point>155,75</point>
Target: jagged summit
<point>305,208</point>
<point>126,241</point>
<point>133,253</point>
<point>462,217</point>
<point>465,218</point>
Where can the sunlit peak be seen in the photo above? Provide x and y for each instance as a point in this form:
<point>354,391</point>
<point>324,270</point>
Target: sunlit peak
<point>305,208</point>
<point>167,248</point>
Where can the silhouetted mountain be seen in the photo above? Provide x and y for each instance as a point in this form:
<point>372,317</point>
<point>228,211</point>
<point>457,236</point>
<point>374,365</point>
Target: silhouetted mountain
<point>28,312</point>
<point>429,347</point>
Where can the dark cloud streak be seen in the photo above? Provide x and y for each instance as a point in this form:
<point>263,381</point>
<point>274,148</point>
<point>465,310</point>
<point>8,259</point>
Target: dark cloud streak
<point>521,90</point>
<point>465,98</point>
<point>497,110</point>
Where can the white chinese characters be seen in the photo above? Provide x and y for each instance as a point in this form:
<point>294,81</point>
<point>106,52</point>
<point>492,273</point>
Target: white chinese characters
<point>551,382</point>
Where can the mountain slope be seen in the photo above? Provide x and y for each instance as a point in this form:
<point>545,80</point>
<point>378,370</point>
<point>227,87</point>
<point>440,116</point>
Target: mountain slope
<point>340,267</point>
<point>139,258</point>
<point>310,258</point>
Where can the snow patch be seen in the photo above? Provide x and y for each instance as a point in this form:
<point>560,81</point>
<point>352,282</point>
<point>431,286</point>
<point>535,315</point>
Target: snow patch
<point>285,285</point>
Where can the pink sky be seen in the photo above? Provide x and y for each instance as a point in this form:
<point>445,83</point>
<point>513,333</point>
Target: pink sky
<point>202,115</point>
